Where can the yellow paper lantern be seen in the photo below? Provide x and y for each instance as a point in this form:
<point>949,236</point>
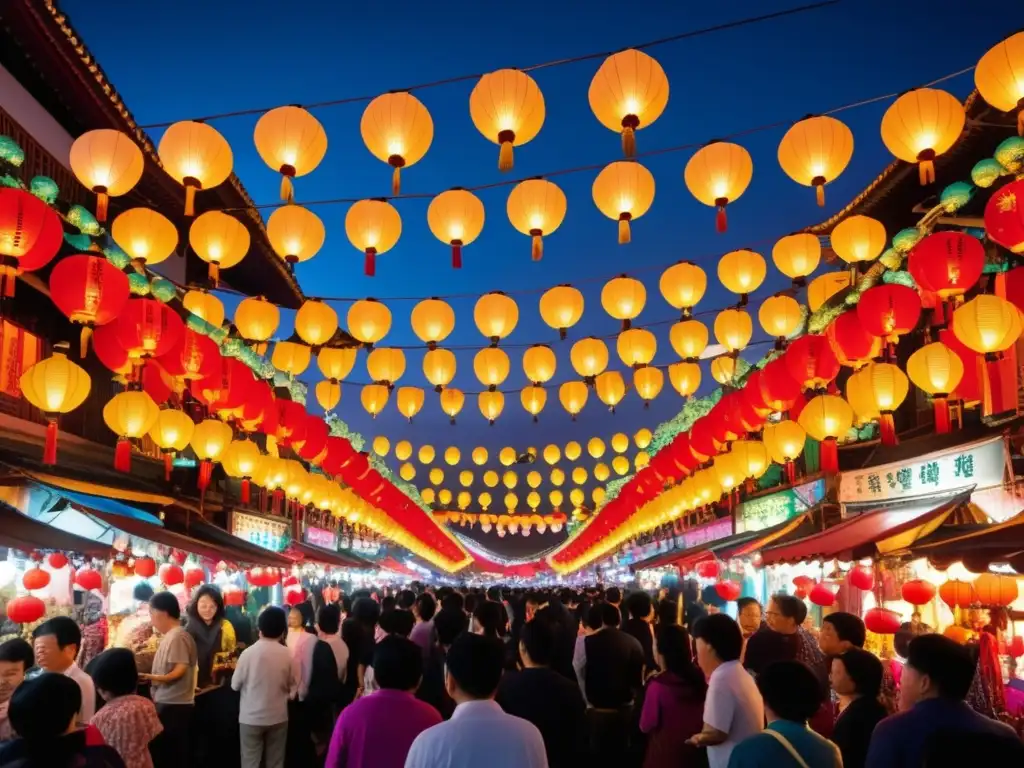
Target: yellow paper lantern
<point>601,472</point>
<point>432,321</point>
<point>718,174</point>
<point>629,92</point>
<point>561,308</point>
<point>733,329</point>
<point>403,450</point>
<point>579,475</point>
<point>55,386</point>
<point>295,233</point>
<point>824,287</point>
<point>205,306</point>
<point>146,236</point>
<point>780,316</point>
<point>536,207</point>
<point>511,502</point>
<point>589,357</point>
<point>336,363</point>
<point>398,130</point>
<point>533,398</point>
<point>921,125</point>
<point>999,77</point>
<point>887,386</point>
<point>210,439</point>
<point>491,366</point>
<point>689,339</point>
<point>374,397</point>
<point>172,431</point>
<point>683,285</point>
<point>436,475</point>
<point>196,156</point>
<point>456,217</point>
<point>685,377</point>
<point>552,454</point>
<point>292,142</point>
<point>623,191</point>
<point>409,401</point>
<point>507,456</point>
<point>858,238</point>
<point>539,363</point>
<point>452,455</point>
<point>784,440</point>
<point>621,465</point>
<point>290,357</point>
<point>797,256</point>
<point>439,367</point>
<point>723,368</point>
<point>107,162</point>
<point>495,315</point>
<point>452,402</point>
<point>484,500</point>
<point>373,227</point>
<point>256,319</point>
<point>825,418</point>
<point>428,495</point>
<point>620,443</point>
<point>315,322</point>
<point>407,472</point>
<point>444,497</point>
<point>641,460</point>
<point>597,496</point>
<point>328,394</point>
<point>595,447</point>
<point>426,454</point>
<point>507,107</point>
<point>987,324</point>
<point>381,445</point>
<point>557,477</point>
<point>466,478</point>
<point>742,272</point>
<point>220,240</point>
<point>556,498</point>
<point>573,450</point>
<point>935,369</point>
<point>861,399</point>
<point>491,405</point>
<point>623,298</point>
<point>368,320</point>
<point>385,364</point>
<point>533,479</point>
<point>464,499</point>
<point>573,396</point>
<point>610,388</point>
<point>815,151</point>
<point>647,382</point>
<point>490,478</point>
<point>510,479</point>
<point>636,346</point>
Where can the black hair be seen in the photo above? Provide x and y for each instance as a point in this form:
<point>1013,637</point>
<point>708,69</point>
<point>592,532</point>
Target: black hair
<point>406,598</point>
<point>610,616</point>
<point>534,598</point>
<point>115,672</point>
<point>743,602</point>
<point>613,594</point>
<point>639,605</point>
<point>142,592</point>
<point>210,591</point>
<point>567,596</point>
<point>790,689</point>
<point>791,607</point>
<point>42,709</point>
<point>346,604</point>
<point>366,611</point>
<point>594,618</point>
<point>668,612</point>
<point>848,627</point>
<point>389,603</point>
<point>722,633</point>
<point>492,618</point>
<point>470,603</point>
<point>475,663</point>
<point>397,663</point>
<point>166,602</point>
<point>864,669</point>
<point>449,624</point>
<point>494,593</point>
<point>272,623</point>
<point>674,644</point>
<point>16,649</point>
<point>426,605</point>
<point>397,622</point>
<point>64,630</point>
<point>454,601</point>
<point>538,639</point>
<point>946,662</point>
<point>328,619</point>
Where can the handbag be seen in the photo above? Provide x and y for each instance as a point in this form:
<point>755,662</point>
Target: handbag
<point>789,747</point>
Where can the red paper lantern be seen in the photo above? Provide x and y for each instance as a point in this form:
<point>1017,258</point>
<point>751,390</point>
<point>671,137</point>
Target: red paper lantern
<point>228,387</point>
<point>315,439</point>
<point>917,592</point>
<point>800,593</point>
<point>170,574</point>
<point>339,450</point>
<point>811,361</point>
<point>708,569</point>
<point>89,290</point>
<point>291,422</point>
<point>1004,216</point>
<point>35,578</point>
<point>154,382</point>
<point>802,582</point>
<point>148,328</point>
<point>233,596</point>
<point>851,343</point>
<point>947,263</point>
<point>194,577</point>
<point>259,407</point>
<point>290,581</point>
<point>702,441</point>
<point>193,356</point>
<point>179,556</point>
<point>89,579</point>
<point>145,567</point>
<point>889,311</point>
<point>728,590</point>
<point>779,390</point>
<point>995,589</point>
<point>862,577</point>
<point>25,610</point>
<point>1016,646</point>
<point>957,594</point>
<point>57,560</point>
<point>823,594</point>
<point>295,597</point>
<point>106,343</point>
<point>882,621</point>
<point>30,235</point>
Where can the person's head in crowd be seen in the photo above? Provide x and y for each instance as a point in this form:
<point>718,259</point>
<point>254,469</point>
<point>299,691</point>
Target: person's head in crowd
<point>398,664</point>
<point>424,607</point>
<point>328,620</point>
<point>494,593</point>
<point>44,709</point>
<point>857,673</point>
<point>272,623</point>
<point>490,619</point>
<point>533,601</point>
<point>471,602</point>
<point>164,612</point>
<point>454,601</point>
<point>593,621</point>
<point>668,612</point>
<point>786,613</point>
<point>639,606</point>
<point>405,599</point>
<point>115,674</point>
<point>142,592</point>
<point>673,648</point>
<point>296,621</point>
<point>473,667</point>
<point>568,598</point>
<point>790,690</point>
<point>397,622</point>
<point>16,658</point>
<point>346,605</point>
<point>840,632</point>
<point>56,642</point>
<point>449,624</point>
<point>936,667</point>
<point>610,615</point>
<point>207,605</point>
<point>613,595</point>
<point>366,611</point>
<point>536,644</point>
<point>389,603</point>
<point>718,639</point>
<point>748,613</point>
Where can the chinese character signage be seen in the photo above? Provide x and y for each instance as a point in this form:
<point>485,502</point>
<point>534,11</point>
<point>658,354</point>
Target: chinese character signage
<point>773,509</point>
<point>319,537</point>
<point>705,534</point>
<point>269,534</point>
<point>980,464</point>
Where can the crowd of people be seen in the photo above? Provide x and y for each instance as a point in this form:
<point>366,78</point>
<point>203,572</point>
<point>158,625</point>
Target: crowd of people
<point>423,678</point>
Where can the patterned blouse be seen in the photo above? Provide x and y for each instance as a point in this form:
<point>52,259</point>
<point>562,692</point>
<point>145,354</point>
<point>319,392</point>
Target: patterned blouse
<point>129,724</point>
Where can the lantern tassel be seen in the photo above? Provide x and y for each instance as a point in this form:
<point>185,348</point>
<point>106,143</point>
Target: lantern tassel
<point>396,181</point>
<point>629,141</point>
<point>245,490</point>
<point>819,192</point>
<point>505,156</point>
<point>370,262</point>
<point>214,271</point>
<point>926,172</point>
<point>941,408</point>
<point>790,471</point>
<point>10,277</point>
<point>721,219</point>
<point>887,426</point>
<point>83,341</point>
<point>190,200</point>
<point>123,455</point>
<point>287,189</point>
<point>102,202</point>
<point>205,473</point>
<point>456,254</point>
<point>624,233</point>
<point>829,456</point>
<point>537,246</point>
<point>50,448</point>
<point>168,466</point>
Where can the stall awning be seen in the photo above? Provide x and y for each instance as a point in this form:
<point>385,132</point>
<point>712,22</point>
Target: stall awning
<point>880,531</point>
<point>246,551</point>
<point>108,506</point>
<point>326,556</point>
<point>978,545</point>
<point>19,531</point>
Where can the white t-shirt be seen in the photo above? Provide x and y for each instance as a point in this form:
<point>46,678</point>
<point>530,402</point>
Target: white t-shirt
<point>733,705</point>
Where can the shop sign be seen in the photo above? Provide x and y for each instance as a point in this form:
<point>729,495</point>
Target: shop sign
<point>705,534</point>
<point>322,538</point>
<point>269,534</point>
<point>979,464</point>
<point>775,508</point>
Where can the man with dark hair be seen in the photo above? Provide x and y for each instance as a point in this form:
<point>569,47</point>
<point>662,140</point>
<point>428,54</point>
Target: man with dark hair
<point>449,624</point>
<point>641,613</point>
<point>16,658</point>
<point>935,681</point>
<point>423,610</point>
<point>405,599</point>
<point>328,626</point>
<point>453,601</point>
<point>545,698</point>
<point>397,622</point>
<point>748,613</point>
<point>56,643</point>
<point>173,681</point>
<point>733,709</point>
<point>479,732</point>
<point>564,628</point>
<point>840,632</point>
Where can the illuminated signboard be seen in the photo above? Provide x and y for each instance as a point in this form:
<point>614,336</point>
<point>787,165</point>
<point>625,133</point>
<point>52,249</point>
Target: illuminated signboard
<point>766,511</point>
<point>705,534</point>
<point>269,534</point>
<point>319,537</point>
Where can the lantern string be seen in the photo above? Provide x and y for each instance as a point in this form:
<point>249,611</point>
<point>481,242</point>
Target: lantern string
<point>724,26</point>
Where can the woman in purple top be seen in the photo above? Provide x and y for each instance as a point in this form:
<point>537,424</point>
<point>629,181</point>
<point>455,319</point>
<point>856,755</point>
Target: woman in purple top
<point>377,730</point>
<point>673,703</point>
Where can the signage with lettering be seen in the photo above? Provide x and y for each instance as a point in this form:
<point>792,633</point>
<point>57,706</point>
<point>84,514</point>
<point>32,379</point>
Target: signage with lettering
<point>705,534</point>
<point>775,508</point>
<point>269,534</point>
<point>322,538</point>
<point>980,464</point>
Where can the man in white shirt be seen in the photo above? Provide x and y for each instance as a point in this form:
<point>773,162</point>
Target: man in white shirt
<point>733,708</point>
<point>479,732</point>
<point>267,676</point>
<point>56,643</point>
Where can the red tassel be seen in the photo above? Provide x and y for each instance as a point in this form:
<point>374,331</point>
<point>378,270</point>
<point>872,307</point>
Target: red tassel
<point>102,199</point>
<point>456,254</point>
<point>168,464</point>
<point>9,283</point>
<point>50,450</point>
<point>721,220</point>
<point>123,455</point>
<point>790,472</point>
<point>370,263</point>
<point>205,472</point>
<point>829,456</point>
<point>888,428</point>
<point>245,490</point>
<point>941,406</point>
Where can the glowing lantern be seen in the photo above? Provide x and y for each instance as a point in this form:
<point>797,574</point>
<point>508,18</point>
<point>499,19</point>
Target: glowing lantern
<point>35,578</point>
<point>107,162</point>
<point>398,130</point>
<point>292,142</point>
<point>797,256</point>
<point>888,388</point>
<point>917,592</point>
<point>373,227</point>
<point>241,460</point>
<point>456,217</point>
<point>610,388</point>
<point>742,272</point>
<point>291,358</point>
<point>733,329</point>
<point>368,320</point>
<point>452,401</point>
<point>921,125</point>
<point>30,235</point>
<point>328,394</point>
<point>576,497</point>
<point>647,382</point>
<point>636,346</point>
<point>403,450</point>
<point>629,92</point>
<point>889,311</point>
<point>539,363</point>
<point>409,400</point>
<point>689,339</point>
<point>595,447</point>
<point>507,107</point>
<point>55,386</point>
<point>620,464</point>
<point>780,316</point>
<point>485,500</point>
<point>815,151</point>
<point>536,207</point>
<point>999,77</point>
<point>25,610</point>
<point>683,285</point>
<point>439,367</point>
<point>205,306</point>
<point>432,320</point>
<point>374,397</point>
<point>452,455</point>
<point>824,287</point>
<point>427,494</point>
<point>256,319</point>
<point>996,589</point>
<point>511,502</point>
<point>552,454</point>
<point>129,415</point>
<point>466,478</point>
<point>495,315</point>
<point>822,594</point>
<point>685,377</point>
<point>146,236</point>
<point>561,308</point>
<point>858,238</point>
<point>533,398</point>
<point>210,440</point>
<point>601,472</point>
<point>556,498</point>
<point>811,361</point>
<point>335,363</point>
<point>620,443</point>
<point>579,475</point>
<point>491,405</point>
<point>851,343</point>
<point>785,442</point>
<point>826,418</point>
<point>444,497</point>
<point>510,479</point>
<point>947,263</point>
<point>90,291</point>
<point>641,460</point>
<point>315,322</point>
<point>957,594</point>
<point>717,175</point>
<point>573,396</point>
<point>623,191</point>
<point>490,478</point>
<point>937,370</point>
<point>623,298</point>
<point>589,357</point>
<point>862,577</point>
<point>989,325</point>
<point>385,365</point>
<point>491,366</point>
<point>148,328</point>
<point>172,432</point>
<point>573,450</point>
<point>425,454</point>
<point>436,475</point>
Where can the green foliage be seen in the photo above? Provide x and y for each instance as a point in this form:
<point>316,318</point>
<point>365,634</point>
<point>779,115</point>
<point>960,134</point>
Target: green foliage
<point>80,217</point>
<point>44,188</point>
<point>692,410</point>
<point>339,428</point>
<point>11,152</point>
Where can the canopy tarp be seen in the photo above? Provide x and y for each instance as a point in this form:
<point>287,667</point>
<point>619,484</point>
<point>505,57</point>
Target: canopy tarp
<point>19,531</point>
<point>247,552</point>
<point>326,556</point>
<point>977,545</point>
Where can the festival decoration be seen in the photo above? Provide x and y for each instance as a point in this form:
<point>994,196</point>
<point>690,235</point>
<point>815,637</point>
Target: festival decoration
<point>296,234</point>
<point>398,130</point>
<point>108,163</point>
<point>456,217</point>
<point>815,151</point>
<point>920,125</point>
<point>196,156</point>
<point>717,175</point>
<point>624,191</point>
<point>256,320</point>
<point>957,594</point>
<point>999,77</point>
<point>533,399</point>
<point>683,285</point>
<point>55,386</point>
<point>507,107</point>
<point>129,415</point>
<point>629,92</point>
<point>996,589</point>
<point>373,227</point>
<point>610,388</point>
<point>623,298</point>
<point>292,142</point>
<point>742,272</point>
<point>495,315</point>
<point>917,592</point>
<point>826,418</point>
<point>561,308</point>
<point>858,239</point>
<point>368,321</point>
<point>172,432</point>
<point>536,207</point>
<point>797,256</point>
<point>539,364</point>
<point>573,396</point>
<point>936,370</point>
